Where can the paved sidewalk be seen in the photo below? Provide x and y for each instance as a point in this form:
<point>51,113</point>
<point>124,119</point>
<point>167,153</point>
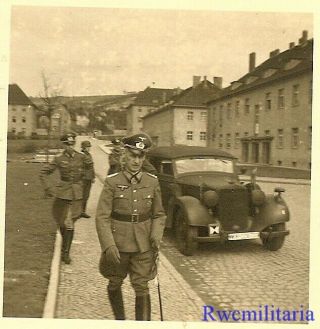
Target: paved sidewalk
<point>82,290</point>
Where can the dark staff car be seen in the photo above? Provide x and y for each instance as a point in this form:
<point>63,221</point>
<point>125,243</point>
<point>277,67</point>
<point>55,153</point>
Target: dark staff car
<point>206,202</point>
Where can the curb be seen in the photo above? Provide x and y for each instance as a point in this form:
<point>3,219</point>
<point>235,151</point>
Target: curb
<point>51,298</point>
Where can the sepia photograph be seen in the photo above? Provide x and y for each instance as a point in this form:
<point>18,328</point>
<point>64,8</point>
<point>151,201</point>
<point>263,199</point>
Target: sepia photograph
<point>157,163</point>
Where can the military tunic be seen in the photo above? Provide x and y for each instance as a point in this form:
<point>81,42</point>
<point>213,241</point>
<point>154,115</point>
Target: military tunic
<point>139,204</point>
<point>88,175</point>
<point>69,191</point>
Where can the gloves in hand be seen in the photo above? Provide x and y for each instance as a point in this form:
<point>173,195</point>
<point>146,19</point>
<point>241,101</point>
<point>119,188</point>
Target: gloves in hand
<point>155,244</point>
<point>112,255</point>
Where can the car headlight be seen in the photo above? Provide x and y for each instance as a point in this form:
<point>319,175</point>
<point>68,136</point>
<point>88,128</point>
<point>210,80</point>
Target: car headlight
<point>258,197</point>
<point>210,198</point>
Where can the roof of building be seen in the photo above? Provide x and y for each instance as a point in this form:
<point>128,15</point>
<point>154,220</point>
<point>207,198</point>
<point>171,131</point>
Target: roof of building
<point>196,96</point>
<point>153,96</point>
<point>180,151</point>
<point>291,61</point>
<point>17,96</point>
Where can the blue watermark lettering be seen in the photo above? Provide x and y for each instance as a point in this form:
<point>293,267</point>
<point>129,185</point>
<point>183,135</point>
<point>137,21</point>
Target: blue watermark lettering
<point>207,311</point>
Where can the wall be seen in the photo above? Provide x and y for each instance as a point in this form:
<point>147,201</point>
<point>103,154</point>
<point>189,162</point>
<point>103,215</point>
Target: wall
<point>20,112</point>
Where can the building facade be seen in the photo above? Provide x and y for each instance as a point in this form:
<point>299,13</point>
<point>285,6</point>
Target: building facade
<point>22,117</point>
<point>146,101</point>
<point>266,116</point>
<point>183,120</point>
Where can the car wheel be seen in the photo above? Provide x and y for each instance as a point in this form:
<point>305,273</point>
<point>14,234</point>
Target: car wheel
<point>185,234</point>
<point>274,244</point>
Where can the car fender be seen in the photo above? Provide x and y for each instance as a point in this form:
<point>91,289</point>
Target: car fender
<point>273,211</point>
<point>197,214</point>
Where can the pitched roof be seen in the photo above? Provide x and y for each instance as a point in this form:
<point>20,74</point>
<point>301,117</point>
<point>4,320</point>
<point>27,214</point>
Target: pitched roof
<point>153,96</point>
<point>279,67</point>
<point>191,97</point>
<point>17,96</point>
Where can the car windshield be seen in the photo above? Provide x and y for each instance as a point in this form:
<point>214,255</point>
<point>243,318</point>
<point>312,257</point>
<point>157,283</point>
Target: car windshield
<point>204,164</point>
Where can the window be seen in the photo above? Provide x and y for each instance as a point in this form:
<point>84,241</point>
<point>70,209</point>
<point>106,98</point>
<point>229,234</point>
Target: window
<point>139,110</point>
<point>229,111</point>
<point>203,116</point>
<point>246,134</point>
<point>236,140</point>
<point>237,107</point>
<point>295,137</point>
<point>247,106</point>
<point>221,115</point>
<point>279,163</point>
<point>281,98</point>
<point>13,130</point>
<point>220,141</point>
<point>228,141</point>
<point>295,95</point>
<point>23,110</point>
<point>268,102</point>
<point>14,119</point>
<point>280,138</point>
<point>189,135</point>
<point>23,119</point>
<point>203,135</point>
<point>294,163</point>
<point>166,167</point>
<point>139,119</point>
<point>267,132</point>
<point>213,137</point>
<point>190,115</point>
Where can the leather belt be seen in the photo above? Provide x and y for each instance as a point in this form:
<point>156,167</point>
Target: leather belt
<point>133,218</point>
<point>70,180</point>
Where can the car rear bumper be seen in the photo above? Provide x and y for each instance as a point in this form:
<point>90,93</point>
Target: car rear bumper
<point>224,236</point>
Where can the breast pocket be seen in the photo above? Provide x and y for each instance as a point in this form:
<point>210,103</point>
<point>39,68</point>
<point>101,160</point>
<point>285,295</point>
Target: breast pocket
<point>147,196</point>
<point>121,202</point>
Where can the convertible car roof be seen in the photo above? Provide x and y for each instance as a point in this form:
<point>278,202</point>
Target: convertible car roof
<point>180,151</point>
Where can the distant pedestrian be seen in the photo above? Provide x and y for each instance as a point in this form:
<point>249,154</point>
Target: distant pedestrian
<point>67,204</point>
<point>130,221</point>
<point>89,176</point>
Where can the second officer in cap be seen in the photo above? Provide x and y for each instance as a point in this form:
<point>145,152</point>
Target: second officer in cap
<point>130,221</point>
<point>88,177</point>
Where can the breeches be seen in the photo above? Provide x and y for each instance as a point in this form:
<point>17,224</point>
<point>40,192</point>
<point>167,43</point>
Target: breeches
<point>139,266</point>
<point>65,212</point>
<point>86,189</point>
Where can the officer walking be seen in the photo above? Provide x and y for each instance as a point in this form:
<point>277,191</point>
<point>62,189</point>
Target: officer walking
<point>67,204</point>
<point>130,221</point>
<point>89,176</point>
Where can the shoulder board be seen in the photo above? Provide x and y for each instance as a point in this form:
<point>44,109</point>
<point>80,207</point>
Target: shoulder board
<point>112,175</point>
<point>154,176</point>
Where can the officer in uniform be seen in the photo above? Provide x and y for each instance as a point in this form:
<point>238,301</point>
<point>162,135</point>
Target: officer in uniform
<point>89,176</point>
<point>67,204</point>
<point>130,221</point>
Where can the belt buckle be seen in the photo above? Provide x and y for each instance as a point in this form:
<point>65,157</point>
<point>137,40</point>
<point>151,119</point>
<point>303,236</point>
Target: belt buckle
<point>135,218</point>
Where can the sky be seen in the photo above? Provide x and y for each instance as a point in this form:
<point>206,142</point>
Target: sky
<point>104,51</point>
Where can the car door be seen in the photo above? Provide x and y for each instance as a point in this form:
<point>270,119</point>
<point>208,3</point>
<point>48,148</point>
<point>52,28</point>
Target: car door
<point>166,180</point>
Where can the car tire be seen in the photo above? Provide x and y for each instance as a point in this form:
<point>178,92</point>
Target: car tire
<point>274,244</point>
<point>185,234</point>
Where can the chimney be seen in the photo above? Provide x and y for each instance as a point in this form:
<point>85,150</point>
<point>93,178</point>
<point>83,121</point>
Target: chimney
<point>304,36</point>
<point>252,62</point>
<point>196,80</point>
<point>291,45</point>
<point>217,81</point>
<point>274,52</point>
<point>204,78</point>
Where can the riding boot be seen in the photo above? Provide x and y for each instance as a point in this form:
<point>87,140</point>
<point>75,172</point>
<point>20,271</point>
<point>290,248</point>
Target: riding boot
<point>68,237</point>
<point>116,301</point>
<point>143,308</point>
<point>62,231</point>
<point>84,214</point>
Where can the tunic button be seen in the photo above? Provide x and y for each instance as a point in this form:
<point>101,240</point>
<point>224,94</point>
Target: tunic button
<point>121,195</point>
<point>135,200</point>
<point>134,191</point>
<point>135,210</point>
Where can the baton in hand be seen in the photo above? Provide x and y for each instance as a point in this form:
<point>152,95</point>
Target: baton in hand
<point>157,281</point>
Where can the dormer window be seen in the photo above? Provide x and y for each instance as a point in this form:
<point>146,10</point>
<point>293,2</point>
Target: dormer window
<point>251,79</point>
<point>268,73</point>
<point>235,85</point>
<point>291,64</point>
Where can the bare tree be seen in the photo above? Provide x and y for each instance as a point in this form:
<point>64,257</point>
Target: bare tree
<point>50,98</point>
